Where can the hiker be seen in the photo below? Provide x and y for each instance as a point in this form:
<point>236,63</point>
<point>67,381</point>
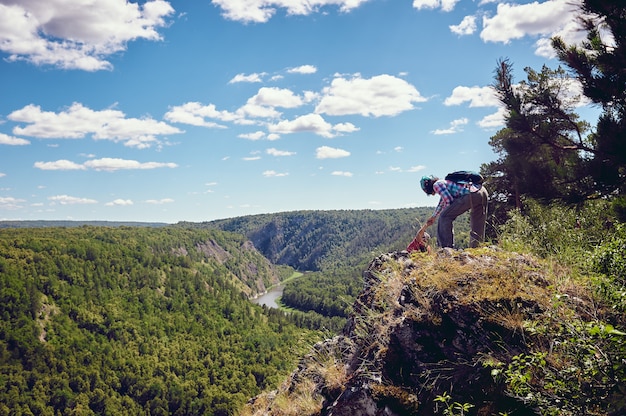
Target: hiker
<point>457,195</point>
<point>420,242</point>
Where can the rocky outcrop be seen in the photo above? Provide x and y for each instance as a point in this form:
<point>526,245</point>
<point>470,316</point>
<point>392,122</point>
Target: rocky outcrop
<point>429,334</point>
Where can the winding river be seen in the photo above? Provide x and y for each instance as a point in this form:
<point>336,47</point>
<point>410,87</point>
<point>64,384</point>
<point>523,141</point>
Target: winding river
<point>269,298</point>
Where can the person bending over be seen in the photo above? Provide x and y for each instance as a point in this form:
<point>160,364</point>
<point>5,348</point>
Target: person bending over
<point>455,199</point>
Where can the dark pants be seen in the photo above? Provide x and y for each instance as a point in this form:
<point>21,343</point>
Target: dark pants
<point>476,203</point>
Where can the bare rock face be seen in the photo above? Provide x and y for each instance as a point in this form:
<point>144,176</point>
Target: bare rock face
<point>427,333</point>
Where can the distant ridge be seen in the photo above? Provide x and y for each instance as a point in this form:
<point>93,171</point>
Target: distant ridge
<point>68,223</point>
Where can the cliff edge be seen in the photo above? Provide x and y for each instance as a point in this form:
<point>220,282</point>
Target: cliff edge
<point>476,332</point>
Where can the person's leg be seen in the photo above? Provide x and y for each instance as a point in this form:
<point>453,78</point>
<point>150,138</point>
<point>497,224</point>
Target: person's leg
<point>478,216</point>
<point>445,231</point>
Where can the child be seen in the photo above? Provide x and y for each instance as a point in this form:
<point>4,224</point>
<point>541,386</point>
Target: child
<point>420,242</point>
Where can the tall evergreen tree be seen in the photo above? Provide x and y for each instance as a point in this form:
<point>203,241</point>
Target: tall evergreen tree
<point>599,64</point>
<point>544,145</point>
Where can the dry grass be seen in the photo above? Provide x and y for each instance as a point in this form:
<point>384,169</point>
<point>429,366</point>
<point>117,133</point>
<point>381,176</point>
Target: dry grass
<point>302,401</point>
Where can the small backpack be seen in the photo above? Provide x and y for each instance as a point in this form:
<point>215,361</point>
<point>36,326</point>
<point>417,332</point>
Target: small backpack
<point>465,176</point>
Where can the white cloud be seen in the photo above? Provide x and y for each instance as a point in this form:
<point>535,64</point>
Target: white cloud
<point>382,95</point>
<point>326,152</point>
<point>342,173</point>
<point>416,168</point>
<point>494,120</point>
<point>477,97</point>
<point>276,152</point>
<point>257,135</point>
<point>10,203</point>
<point>59,165</point>
<point>195,114</point>
<point>77,121</point>
<point>445,5</point>
<point>260,11</point>
<point>547,19</point>
<point>276,97</point>
<point>2,175</point>
<point>466,27</point>
<point>113,164</point>
<point>119,202</point>
<point>106,164</point>
<point>304,69</point>
<point>71,200</point>
<point>76,34</point>
<point>455,127</point>
<point>256,77</point>
<point>12,141</point>
<point>308,123</point>
<point>345,128</point>
<point>159,201</point>
<point>274,174</point>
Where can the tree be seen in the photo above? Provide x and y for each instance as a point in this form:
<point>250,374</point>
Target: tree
<point>546,152</point>
<point>599,64</point>
<point>544,147</point>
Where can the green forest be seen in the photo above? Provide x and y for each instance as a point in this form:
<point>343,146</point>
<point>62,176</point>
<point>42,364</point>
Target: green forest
<point>99,320</point>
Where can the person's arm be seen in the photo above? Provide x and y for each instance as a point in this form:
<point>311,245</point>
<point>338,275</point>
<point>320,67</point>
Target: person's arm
<point>445,199</point>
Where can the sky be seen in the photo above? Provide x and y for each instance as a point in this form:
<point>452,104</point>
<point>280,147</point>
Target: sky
<point>168,111</point>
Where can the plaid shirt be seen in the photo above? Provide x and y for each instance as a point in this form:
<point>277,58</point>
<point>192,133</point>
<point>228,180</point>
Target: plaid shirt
<point>448,191</point>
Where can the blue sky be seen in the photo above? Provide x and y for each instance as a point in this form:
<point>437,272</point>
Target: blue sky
<point>199,110</point>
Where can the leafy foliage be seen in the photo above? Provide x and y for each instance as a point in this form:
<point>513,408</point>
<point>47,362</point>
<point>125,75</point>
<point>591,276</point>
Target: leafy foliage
<point>577,361</point>
<point>98,320</point>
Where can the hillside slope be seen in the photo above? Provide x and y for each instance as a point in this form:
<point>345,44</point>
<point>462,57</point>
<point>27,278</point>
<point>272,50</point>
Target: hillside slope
<point>98,320</point>
<point>327,240</point>
<point>480,332</point>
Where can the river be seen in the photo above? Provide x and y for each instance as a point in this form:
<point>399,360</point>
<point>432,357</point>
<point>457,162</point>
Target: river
<point>269,298</point>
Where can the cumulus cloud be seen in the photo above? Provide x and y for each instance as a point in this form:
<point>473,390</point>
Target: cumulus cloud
<point>71,200</point>
<point>303,69</point>
<point>313,123</point>
<point>257,135</point>
<point>274,174</point>
<point>10,203</point>
<point>476,96</point>
<point>455,127</point>
<point>466,27</point>
<point>496,119</point>
<point>326,152</point>
<point>195,114</point>
<point>381,95</point>
<point>78,121</point>
<point>416,168</point>
<point>276,152</point>
<point>261,11</point>
<point>342,173</point>
<point>62,164</point>
<point>252,78</point>
<point>77,34</point>
<point>104,164</point>
<point>547,19</point>
<point>119,202</point>
<point>445,5</point>
<point>159,201</point>
<point>113,164</point>
<point>275,97</point>
<point>12,141</point>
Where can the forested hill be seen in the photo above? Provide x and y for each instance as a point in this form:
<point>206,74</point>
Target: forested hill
<point>67,223</point>
<point>327,240</point>
<point>100,320</point>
